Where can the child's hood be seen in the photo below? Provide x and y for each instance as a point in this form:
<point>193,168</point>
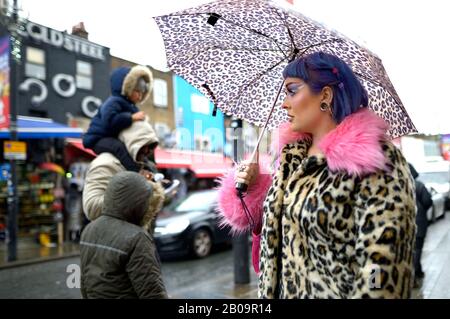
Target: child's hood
<point>136,136</point>
<point>127,197</point>
<point>124,80</point>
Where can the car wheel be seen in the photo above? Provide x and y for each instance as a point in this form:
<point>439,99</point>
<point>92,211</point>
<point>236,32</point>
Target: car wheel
<point>433,215</point>
<point>201,243</point>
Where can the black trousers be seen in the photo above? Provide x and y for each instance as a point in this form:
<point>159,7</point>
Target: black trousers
<point>418,255</point>
<point>119,150</point>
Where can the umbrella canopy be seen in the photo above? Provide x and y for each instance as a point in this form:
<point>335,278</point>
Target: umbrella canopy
<point>234,52</point>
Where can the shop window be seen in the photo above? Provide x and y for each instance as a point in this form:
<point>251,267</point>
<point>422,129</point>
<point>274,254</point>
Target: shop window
<point>431,148</point>
<point>84,75</point>
<point>35,63</point>
<point>160,93</point>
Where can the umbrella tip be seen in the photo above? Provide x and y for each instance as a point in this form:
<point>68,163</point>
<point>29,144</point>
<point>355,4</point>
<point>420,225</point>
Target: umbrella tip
<point>213,18</point>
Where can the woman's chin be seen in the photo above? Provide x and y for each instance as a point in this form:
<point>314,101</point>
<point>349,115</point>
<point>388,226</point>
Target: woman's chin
<point>295,127</point>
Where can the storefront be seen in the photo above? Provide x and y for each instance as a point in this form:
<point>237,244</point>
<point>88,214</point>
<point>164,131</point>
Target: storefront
<point>41,178</point>
<point>60,83</point>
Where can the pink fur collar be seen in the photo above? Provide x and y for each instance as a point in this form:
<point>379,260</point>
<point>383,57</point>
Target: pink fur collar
<point>353,146</point>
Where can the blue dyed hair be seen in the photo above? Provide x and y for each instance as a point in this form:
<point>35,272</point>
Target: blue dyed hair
<point>321,69</point>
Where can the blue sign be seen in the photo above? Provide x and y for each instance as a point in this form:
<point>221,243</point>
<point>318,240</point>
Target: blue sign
<point>5,170</point>
<point>197,128</point>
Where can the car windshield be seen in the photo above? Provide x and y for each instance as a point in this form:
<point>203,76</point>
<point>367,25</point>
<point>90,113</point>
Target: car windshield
<point>200,201</point>
<point>434,177</point>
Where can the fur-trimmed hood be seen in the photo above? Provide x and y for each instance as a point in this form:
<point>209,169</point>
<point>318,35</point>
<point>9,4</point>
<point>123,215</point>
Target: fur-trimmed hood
<point>354,146</point>
<point>124,80</point>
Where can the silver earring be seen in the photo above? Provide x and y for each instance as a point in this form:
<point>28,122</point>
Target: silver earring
<point>324,107</point>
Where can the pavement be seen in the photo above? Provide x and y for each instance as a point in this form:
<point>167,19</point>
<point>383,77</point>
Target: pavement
<point>435,261</point>
<point>30,252</point>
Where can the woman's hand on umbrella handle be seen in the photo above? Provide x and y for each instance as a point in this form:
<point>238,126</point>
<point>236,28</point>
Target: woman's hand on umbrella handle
<point>246,174</point>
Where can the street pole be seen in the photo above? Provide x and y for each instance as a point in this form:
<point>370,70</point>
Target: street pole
<point>240,242</point>
<point>13,200</point>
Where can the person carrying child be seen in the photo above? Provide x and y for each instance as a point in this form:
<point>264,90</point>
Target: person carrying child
<point>129,87</point>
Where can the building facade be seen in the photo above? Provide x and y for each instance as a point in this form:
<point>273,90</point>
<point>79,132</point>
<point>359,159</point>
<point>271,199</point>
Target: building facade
<point>62,76</point>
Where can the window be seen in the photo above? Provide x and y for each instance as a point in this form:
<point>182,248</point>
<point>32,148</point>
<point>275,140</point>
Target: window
<point>35,63</point>
<point>84,75</point>
<point>160,93</point>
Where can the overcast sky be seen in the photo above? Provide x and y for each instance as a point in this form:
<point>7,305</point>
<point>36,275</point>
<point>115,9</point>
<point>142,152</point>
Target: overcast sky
<point>410,36</point>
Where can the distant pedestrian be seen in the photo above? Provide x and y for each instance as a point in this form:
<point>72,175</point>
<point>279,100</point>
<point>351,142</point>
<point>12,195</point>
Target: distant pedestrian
<point>423,202</point>
<point>118,256</point>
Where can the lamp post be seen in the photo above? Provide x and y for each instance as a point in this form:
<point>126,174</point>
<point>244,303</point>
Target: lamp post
<point>10,18</point>
<point>240,242</point>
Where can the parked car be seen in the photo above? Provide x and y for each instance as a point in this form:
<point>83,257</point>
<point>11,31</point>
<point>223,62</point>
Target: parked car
<point>190,226</point>
<point>436,177</point>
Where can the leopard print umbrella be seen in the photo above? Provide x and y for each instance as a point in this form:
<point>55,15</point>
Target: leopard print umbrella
<point>234,52</point>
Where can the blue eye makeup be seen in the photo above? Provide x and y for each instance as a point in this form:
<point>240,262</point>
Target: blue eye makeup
<point>293,88</point>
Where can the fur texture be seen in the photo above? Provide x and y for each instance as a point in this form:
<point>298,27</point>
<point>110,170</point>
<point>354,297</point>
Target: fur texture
<point>284,135</point>
<point>230,207</point>
<point>354,146</point>
<point>130,81</point>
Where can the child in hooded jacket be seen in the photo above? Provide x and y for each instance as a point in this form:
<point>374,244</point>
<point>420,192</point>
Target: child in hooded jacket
<point>129,87</point>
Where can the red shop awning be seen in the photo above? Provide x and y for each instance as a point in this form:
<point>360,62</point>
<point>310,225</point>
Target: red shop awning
<point>203,164</point>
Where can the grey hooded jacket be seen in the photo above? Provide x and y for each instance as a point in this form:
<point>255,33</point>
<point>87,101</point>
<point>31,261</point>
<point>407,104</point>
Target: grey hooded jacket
<point>118,257</point>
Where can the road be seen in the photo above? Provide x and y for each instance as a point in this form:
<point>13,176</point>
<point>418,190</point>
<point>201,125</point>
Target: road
<point>207,278</point>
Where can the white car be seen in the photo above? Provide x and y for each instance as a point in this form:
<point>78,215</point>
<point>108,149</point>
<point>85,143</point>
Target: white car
<point>436,177</point>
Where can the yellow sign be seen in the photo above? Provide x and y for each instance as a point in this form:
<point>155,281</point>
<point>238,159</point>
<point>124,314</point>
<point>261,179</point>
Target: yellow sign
<point>14,150</point>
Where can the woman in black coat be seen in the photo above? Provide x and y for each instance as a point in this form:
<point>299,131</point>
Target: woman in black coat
<point>423,202</point>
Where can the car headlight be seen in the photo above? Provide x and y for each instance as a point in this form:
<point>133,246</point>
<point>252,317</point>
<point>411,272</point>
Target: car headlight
<point>174,227</point>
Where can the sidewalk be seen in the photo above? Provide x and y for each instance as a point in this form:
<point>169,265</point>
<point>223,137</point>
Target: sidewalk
<point>211,278</point>
<point>435,261</point>
<point>30,252</point>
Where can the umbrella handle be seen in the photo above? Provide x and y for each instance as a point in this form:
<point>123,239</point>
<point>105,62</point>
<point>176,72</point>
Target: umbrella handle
<point>242,187</point>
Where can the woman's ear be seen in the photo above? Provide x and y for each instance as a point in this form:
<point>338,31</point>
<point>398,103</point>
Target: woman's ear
<point>327,95</point>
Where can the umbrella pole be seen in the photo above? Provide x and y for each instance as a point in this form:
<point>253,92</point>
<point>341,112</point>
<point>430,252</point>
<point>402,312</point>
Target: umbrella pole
<point>241,187</point>
<point>255,151</point>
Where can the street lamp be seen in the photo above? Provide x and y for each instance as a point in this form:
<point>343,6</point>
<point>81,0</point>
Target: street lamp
<point>11,16</point>
<point>240,242</point>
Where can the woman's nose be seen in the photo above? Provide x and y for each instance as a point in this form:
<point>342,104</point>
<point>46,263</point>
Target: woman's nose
<point>285,106</point>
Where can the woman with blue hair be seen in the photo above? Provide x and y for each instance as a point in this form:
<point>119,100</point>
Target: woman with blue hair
<point>336,218</point>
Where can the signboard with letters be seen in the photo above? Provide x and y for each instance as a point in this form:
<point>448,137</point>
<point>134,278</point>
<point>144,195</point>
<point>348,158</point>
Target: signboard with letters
<point>4,82</point>
<point>14,150</point>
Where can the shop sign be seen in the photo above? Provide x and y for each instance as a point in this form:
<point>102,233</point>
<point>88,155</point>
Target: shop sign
<point>4,82</point>
<point>63,40</point>
<point>65,86</point>
<point>14,150</point>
